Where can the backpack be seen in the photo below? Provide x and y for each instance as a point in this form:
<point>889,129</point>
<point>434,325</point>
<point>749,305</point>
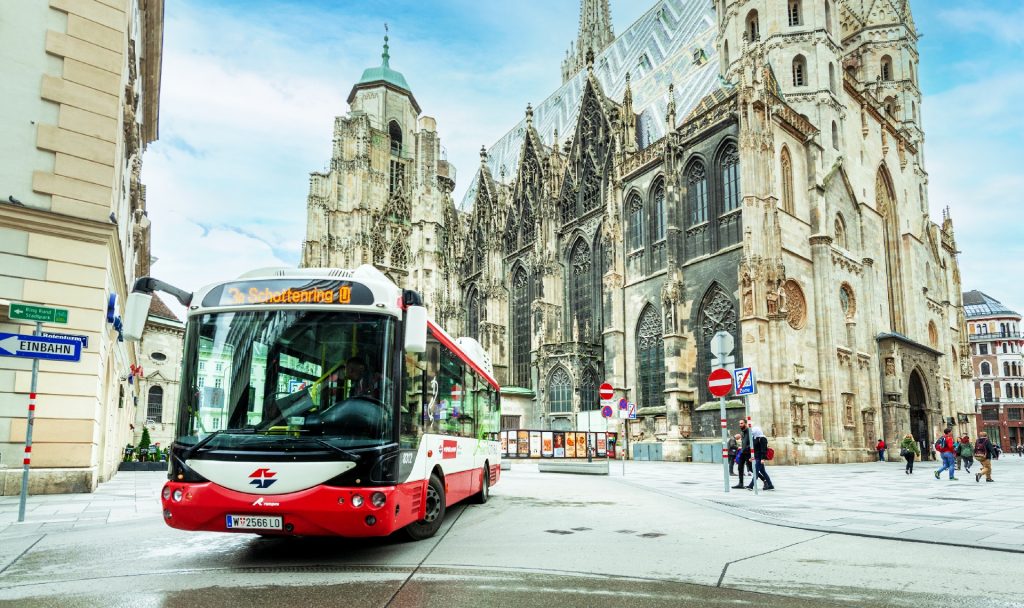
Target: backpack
<point>940,444</point>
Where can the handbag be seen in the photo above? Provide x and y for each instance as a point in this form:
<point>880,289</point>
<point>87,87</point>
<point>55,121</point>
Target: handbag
<point>904,452</point>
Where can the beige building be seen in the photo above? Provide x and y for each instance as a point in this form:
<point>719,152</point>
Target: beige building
<point>81,97</point>
<point>160,358</point>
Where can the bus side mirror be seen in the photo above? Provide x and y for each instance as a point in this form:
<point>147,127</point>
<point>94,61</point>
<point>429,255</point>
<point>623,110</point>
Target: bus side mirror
<point>415,329</point>
<point>136,310</point>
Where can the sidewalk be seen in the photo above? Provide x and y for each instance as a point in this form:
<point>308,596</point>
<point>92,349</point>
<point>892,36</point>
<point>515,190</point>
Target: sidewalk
<point>129,495</point>
<point>871,499</point>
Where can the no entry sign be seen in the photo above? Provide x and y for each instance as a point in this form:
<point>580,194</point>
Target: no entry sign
<point>606,391</point>
<point>720,382</point>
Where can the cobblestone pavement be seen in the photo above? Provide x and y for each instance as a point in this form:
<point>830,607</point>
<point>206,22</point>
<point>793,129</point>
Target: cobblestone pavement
<point>129,495</point>
<point>871,499</point>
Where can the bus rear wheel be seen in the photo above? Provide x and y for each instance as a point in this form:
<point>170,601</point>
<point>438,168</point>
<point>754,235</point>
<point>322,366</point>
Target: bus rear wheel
<point>484,494</point>
<point>434,511</point>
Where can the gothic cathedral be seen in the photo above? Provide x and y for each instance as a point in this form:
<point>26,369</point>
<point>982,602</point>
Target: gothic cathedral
<point>748,166</point>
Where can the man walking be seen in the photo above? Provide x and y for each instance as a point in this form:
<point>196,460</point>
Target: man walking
<point>733,446</point>
<point>880,447</point>
<point>944,446</point>
<point>744,452</point>
<point>983,452</point>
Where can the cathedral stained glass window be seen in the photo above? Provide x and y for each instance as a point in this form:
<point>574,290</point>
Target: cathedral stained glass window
<point>636,222</point>
<point>658,213</point>
<point>589,399</point>
<point>650,358</point>
<point>473,313</point>
<point>582,269</point>
<point>560,391</point>
<point>697,194</point>
<point>730,179</point>
<point>520,329</point>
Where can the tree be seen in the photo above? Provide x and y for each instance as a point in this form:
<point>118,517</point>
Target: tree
<point>143,443</point>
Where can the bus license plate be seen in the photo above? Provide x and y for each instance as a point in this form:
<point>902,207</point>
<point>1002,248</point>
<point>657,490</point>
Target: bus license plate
<point>254,522</point>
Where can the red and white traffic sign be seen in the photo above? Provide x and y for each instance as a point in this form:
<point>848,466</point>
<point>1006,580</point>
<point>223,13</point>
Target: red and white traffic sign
<point>605,392</point>
<point>720,382</point>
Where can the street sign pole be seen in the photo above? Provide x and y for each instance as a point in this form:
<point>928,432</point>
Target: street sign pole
<point>28,429</point>
<point>722,344</point>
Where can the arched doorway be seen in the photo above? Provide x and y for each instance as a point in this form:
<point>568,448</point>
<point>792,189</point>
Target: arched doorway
<point>918,401</point>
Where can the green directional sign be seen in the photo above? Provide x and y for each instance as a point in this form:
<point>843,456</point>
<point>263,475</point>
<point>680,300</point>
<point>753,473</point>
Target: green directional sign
<point>42,314</point>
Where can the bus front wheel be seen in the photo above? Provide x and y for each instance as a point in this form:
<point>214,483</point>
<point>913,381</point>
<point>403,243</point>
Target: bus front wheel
<point>433,514</point>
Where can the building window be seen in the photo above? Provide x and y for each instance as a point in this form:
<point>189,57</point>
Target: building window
<point>841,232</point>
<point>986,368</point>
<point>832,78</point>
<point>828,16</point>
<point>989,413</point>
<point>1006,369</point>
<point>697,194</point>
<point>560,391</point>
<point>636,223</point>
<point>520,329</point>
<point>753,28</point>
<point>787,180</point>
<point>589,399</point>
<point>886,68</point>
<point>835,135</point>
<point>794,12</point>
<point>582,289</point>
<point>395,134</point>
<point>933,334</point>
<point>218,382</point>
<point>202,365</point>
<point>219,366</point>
<point>158,356</point>
<point>983,349</point>
<point>473,313</point>
<point>658,214</point>
<point>847,301</point>
<point>155,404</point>
<point>725,55</point>
<point>799,71</point>
<point>731,178</point>
<point>986,392</point>
<point>650,358</point>
<point>1013,413</point>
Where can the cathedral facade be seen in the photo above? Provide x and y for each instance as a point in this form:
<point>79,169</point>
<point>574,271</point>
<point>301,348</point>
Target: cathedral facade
<point>754,167</point>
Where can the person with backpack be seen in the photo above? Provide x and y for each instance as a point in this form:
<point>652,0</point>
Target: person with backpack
<point>983,451</point>
<point>880,448</point>
<point>760,455</point>
<point>944,446</point>
<point>909,450</point>
<point>966,453</point>
<point>956,453</point>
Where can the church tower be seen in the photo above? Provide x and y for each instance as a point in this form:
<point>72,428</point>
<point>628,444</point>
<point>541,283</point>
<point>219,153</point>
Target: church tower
<point>385,198</point>
<point>595,34</point>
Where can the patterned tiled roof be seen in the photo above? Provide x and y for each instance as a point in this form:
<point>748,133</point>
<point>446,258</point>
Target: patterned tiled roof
<point>158,309</point>
<point>658,49</point>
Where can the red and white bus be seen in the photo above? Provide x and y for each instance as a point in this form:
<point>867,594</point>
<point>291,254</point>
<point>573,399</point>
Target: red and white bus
<point>323,402</point>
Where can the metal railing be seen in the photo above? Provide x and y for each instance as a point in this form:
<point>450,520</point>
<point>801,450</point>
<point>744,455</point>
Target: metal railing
<point>995,335</point>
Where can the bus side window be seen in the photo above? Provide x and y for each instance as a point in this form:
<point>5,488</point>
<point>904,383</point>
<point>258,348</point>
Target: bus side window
<point>413,401</point>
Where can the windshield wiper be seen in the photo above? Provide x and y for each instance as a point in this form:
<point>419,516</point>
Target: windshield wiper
<point>205,440</point>
<point>355,457</point>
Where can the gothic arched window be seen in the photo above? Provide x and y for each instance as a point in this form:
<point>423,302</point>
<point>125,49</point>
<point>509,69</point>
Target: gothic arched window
<point>799,71</point>
<point>559,391</point>
<point>832,77</point>
<point>589,399</point>
<point>835,135</point>
<point>658,213</point>
<point>650,358</point>
<point>717,313</point>
<point>399,255</point>
<point>636,222</point>
<point>886,205</point>
<point>986,392</point>
<point>794,12</point>
<point>473,313</point>
<point>520,298</point>
<point>730,167</point>
<point>753,28</point>
<point>786,163</point>
<point>841,231</point>
<point>1006,369</point>
<point>155,404</point>
<point>581,285</point>
<point>886,67</point>
<point>697,194</point>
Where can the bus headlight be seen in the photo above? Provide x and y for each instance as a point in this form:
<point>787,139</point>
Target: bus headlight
<point>357,500</point>
<point>177,495</point>
<point>377,499</point>
<point>167,493</point>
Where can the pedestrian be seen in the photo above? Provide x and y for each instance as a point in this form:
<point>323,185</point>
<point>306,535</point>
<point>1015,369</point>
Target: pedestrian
<point>983,451</point>
<point>880,447</point>
<point>743,454</point>
<point>944,446</point>
<point>909,450</point>
<point>734,443</point>
<point>967,453</point>
<point>1020,450</point>
<point>956,453</point>
<point>760,455</point>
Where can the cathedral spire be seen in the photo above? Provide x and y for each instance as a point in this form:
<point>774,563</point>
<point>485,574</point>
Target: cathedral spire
<point>385,56</point>
<point>595,33</point>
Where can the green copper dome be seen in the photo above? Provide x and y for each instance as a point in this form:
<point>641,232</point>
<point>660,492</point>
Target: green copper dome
<point>383,72</point>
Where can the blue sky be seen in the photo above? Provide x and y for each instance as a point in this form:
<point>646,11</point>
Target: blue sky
<point>251,88</point>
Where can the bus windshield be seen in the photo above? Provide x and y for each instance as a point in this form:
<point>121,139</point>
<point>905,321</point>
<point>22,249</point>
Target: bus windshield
<point>287,380</point>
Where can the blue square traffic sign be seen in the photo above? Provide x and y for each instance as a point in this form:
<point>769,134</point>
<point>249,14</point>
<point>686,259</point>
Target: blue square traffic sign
<point>745,384</point>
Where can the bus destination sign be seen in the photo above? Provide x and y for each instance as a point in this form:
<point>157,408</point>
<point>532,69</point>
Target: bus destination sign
<point>289,291</point>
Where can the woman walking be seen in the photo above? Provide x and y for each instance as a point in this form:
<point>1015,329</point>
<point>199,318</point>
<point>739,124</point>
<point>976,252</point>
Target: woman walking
<point>909,450</point>
<point>967,452</point>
